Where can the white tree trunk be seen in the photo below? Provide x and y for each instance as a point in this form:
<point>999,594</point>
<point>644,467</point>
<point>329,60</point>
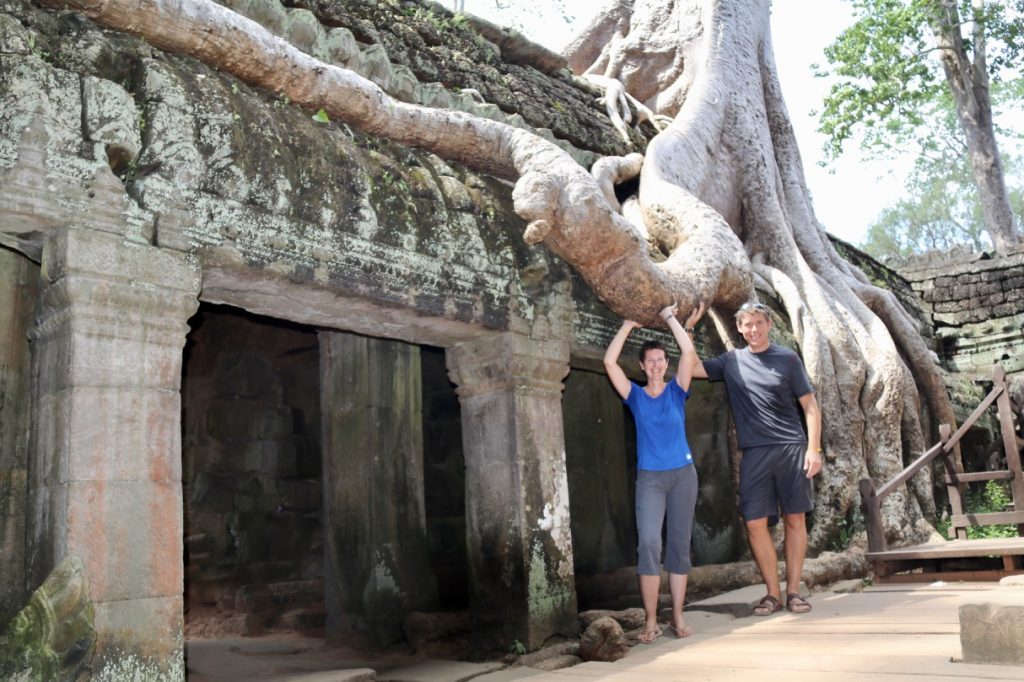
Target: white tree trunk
<point>720,187</point>
<point>968,81</point>
<point>731,152</point>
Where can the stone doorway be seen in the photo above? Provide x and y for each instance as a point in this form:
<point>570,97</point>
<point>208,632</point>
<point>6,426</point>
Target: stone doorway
<point>251,475</point>
<point>253,480</point>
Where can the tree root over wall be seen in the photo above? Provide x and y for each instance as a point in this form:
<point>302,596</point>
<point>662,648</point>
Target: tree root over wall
<point>722,196</point>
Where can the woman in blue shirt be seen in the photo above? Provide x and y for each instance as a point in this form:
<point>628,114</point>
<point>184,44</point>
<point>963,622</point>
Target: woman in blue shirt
<point>666,482</point>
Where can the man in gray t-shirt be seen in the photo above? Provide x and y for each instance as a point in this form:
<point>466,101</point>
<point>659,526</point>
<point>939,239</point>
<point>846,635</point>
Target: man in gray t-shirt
<point>766,384</point>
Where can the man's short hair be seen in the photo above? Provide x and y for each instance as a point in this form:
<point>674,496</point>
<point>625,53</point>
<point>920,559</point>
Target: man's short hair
<point>753,307</point>
<point>653,344</point>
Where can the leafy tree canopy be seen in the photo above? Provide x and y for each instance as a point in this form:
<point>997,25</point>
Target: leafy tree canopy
<point>941,210</point>
<point>891,93</point>
<point>889,82</point>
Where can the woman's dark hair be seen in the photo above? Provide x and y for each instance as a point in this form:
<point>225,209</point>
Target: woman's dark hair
<point>651,345</point>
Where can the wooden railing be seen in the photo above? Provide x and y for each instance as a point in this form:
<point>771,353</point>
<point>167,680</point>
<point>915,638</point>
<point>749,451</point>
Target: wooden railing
<point>956,478</point>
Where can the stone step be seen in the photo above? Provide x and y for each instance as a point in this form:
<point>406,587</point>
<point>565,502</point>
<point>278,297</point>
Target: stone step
<point>308,621</point>
<point>297,592</point>
<point>991,624</point>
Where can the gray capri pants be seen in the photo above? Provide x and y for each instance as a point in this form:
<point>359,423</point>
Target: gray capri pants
<point>665,497</point>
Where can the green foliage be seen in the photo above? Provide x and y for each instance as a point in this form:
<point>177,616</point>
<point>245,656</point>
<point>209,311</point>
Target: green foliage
<point>881,78</point>
<point>321,116</point>
<point>891,94</point>
<point>517,648</point>
<point>941,210</point>
<point>852,525</point>
<point>889,81</point>
<point>994,497</point>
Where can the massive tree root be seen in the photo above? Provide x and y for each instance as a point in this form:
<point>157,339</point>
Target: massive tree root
<point>732,149</point>
<point>721,193</point>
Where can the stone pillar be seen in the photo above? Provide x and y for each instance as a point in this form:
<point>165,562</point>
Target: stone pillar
<point>105,472</point>
<point>517,498</point>
<point>377,566</point>
<point>19,288</point>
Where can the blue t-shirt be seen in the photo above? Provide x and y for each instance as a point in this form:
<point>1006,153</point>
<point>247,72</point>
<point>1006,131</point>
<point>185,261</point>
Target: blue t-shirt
<point>764,389</point>
<point>660,427</point>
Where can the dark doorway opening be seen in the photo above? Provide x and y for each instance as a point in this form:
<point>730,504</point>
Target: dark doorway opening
<point>251,475</point>
<point>444,474</point>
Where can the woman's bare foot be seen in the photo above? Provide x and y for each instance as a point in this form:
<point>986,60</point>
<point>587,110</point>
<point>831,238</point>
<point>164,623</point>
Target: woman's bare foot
<point>681,631</point>
<point>651,632</point>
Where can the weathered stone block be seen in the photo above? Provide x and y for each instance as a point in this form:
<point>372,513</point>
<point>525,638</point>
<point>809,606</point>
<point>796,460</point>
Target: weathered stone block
<point>247,624</point>
<point>271,457</point>
<point>603,640</point>
<point>245,374</point>
<point>110,118</point>
<point>140,639</point>
<point>122,435</point>
<point>129,535</point>
<point>300,493</point>
<point>254,599</point>
<point>992,275</point>
<point>1004,310</point>
<point>990,287</point>
<point>991,624</point>
<point>140,267</point>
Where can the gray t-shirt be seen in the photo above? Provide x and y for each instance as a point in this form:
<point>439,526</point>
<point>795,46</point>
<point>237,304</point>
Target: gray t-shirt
<point>763,389</point>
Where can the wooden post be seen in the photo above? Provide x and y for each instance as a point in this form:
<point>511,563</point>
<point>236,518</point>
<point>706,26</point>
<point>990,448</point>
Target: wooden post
<point>872,508</point>
<point>1010,449</point>
<point>954,489</point>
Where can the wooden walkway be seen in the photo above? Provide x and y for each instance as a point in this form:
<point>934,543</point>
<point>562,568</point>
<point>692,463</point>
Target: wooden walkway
<point>942,558</point>
<point>983,559</point>
<point>890,633</point>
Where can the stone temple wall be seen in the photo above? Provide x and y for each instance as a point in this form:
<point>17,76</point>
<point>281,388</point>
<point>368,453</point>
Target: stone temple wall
<point>968,308</point>
<point>137,184</point>
<point>976,304</point>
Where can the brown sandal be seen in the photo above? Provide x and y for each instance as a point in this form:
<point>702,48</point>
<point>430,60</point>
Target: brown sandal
<point>797,604</point>
<point>767,606</point>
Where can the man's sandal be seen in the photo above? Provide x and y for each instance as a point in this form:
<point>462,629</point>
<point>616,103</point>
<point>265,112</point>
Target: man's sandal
<point>797,604</point>
<point>767,606</point>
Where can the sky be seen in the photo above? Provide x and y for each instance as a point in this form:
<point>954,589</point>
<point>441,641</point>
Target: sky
<point>851,192</point>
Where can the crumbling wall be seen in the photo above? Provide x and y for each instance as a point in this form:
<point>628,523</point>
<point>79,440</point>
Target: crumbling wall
<point>286,214</point>
<point>976,303</point>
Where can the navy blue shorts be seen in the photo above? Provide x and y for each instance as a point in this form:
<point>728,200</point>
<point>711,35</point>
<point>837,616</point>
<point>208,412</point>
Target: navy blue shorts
<point>773,477</point>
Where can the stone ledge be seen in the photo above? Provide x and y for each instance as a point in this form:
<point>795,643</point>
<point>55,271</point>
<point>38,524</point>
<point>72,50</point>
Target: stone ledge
<point>991,624</point>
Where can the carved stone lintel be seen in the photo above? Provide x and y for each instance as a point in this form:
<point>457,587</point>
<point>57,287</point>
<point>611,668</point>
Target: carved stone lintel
<point>508,362</point>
